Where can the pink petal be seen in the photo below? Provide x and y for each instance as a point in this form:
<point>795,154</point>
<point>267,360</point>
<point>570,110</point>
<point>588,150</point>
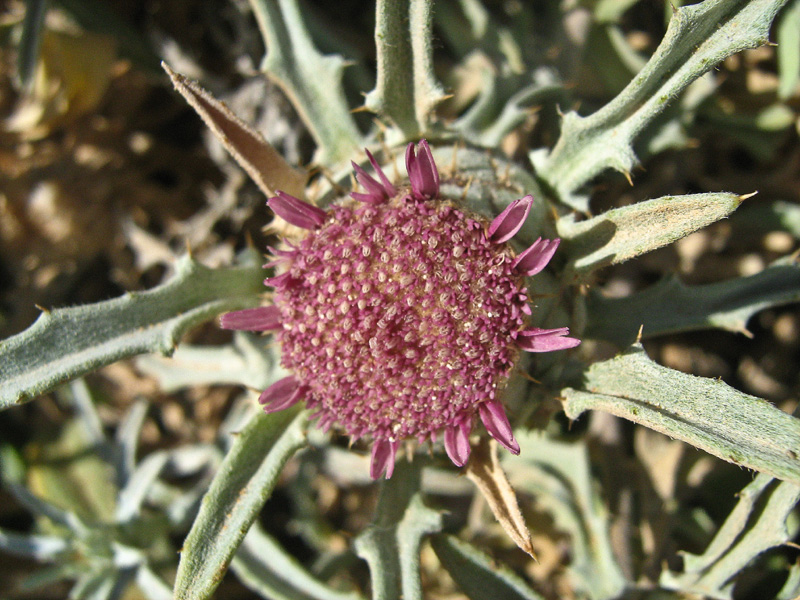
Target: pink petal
<point>263,318</point>
<point>279,281</point>
<point>508,222</point>
<point>545,340</point>
<point>383,453</point>
<point>281,394</point>
<point>535,258</point>
<point>496,422</point>
<point>387,185</point>
<point>375,192</point>
<point>422,171</point>
<point>297,212</point>
<point>456,442</point>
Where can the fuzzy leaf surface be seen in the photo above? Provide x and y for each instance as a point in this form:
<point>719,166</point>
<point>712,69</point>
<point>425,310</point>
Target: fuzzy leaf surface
<point>245,480</point>
<point>266,567</point>
<point>312,81</point>
<point>757,523</point>
<point>705,413</point>
<point>406,89</point>
<point>671,306</point>
<point>391,544</point>
<point>558,474</point>
<point>699,37</point>
<point>66,343</point>
<point>477,574</point>
<point>625,233</point>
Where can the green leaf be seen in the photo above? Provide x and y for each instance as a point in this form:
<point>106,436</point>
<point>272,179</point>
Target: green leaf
<point>69,342</point>
<point>264,566</point>
<point>699,37</point>
<point>788,50</point>
<point>705,413</point>
<point>671,307</point>
<point>312,81</point>
<point>754,526</point>
<point>37,547</point>
<point>478,576</point>
<point>391,543</point>
<point>558,475</point>
<point>406,90</point>
<point>245,480</point>
<point>625,233</point>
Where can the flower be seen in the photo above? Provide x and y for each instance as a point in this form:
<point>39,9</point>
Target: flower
<point>400,315</point>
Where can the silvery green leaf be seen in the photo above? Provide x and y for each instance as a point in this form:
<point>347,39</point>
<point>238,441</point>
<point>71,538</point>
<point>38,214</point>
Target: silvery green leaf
<point>699,36</point>
<point>130,498</point>
<point>127,440</point>
<point>406,90</point>
<point>625,233</point>
<point>251,361</point>
<point>68,342</point>
<point>151,585</point>
<point>671,307</point>
<point>312,81</point>
<point>558,474</point>
<point>43,508</point>
<point>477,574</point>
<point>754,526</point>
<point>95,586</point>
<point>84,405</point>
<point>705,413</point>
<point>37,547</point>
<point>391,544</point>
<point>264,566</point>
<point>788,50</point>
<point>791,588</point>
<point>245,480</point>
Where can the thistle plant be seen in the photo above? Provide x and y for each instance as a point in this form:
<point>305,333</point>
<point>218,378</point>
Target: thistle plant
<point>428,297</point>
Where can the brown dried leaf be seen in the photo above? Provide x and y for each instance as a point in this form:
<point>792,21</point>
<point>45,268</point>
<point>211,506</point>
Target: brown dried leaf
<point>485,472</point>
<point>256,156</point>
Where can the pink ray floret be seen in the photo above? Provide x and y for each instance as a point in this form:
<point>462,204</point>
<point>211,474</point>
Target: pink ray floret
<point>263,318</point>
<point>456,442</point>
<point>534,259</point>
<point>297,212</point>
<point>422,171</point>
<point>508,223</point>
<point>496,422</point>
<point>282,394</point>
<point>545,340</point>
<point>383,454</point>
<point>376,192</point>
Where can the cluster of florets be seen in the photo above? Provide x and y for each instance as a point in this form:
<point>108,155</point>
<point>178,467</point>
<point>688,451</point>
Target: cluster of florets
<point>401,315</point>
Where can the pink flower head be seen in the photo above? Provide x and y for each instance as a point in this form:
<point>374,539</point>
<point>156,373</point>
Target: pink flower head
<point>401,315</point>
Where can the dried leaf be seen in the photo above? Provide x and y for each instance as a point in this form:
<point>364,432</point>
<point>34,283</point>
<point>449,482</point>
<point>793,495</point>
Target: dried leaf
<point>256,156</point>
<point>485,472</point>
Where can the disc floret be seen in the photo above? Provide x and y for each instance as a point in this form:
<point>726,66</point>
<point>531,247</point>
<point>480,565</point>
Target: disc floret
<point>400,315</point>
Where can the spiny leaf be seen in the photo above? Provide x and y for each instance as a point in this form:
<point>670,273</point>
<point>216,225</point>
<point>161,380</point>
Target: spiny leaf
<point>705,413</point>
<point>69,342</point>
<point>406,90</point>
<point>255,155</point>
<point>749,530</point>
<point>699,37</point>
<point>245,480</point>
<point>670,306</point>
<point>391,544</point>
<point>478,576</point>
<point>484,470</point>
<point>312,81</point>
<point>788,50</point>
<point>625,233</point>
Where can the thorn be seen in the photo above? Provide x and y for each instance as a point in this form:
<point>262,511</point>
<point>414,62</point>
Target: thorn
<point>639,335</point>
<point>43,309</point>
<point>744,197</point>
<point>188,248</point>
<point>466,188</point>
<point>628,177</point>
<point>454,164</point>
<point>529,377</point>
<point>359,109</point>
<point>248,240</point>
